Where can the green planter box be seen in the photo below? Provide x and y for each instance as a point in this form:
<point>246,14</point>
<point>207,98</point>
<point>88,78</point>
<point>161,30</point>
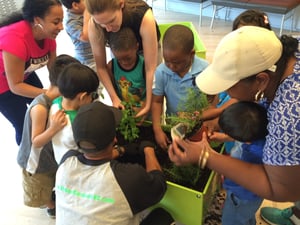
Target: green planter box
<point>198,45</point>
<point>189,206</point>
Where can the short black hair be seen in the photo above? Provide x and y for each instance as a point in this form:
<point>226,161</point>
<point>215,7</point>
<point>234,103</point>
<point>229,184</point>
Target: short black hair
<point>68,3</point>
<point>59,64</point>
<point>124,39</point>
<point>76,78</point>
<point>179,37</point>
<point>244,121</point>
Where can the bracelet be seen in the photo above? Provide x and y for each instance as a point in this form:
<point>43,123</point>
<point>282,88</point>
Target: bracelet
<point>200,158</point>
<point>119,150</point>
<point>203,157</point>
<point>204,161</point>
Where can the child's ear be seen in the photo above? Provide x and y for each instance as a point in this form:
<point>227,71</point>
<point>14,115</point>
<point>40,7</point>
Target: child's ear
<point>74,5</point>
<point>82,95</point>
<point>193,52</point>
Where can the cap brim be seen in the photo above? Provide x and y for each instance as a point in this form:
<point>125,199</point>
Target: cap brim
<point>210,82</point>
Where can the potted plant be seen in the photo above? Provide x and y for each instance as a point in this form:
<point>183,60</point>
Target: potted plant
<point>190,189</point>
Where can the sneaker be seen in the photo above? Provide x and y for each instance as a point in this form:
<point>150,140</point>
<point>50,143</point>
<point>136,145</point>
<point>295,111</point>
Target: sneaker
<point>276,216</point>
<point>51,213</point>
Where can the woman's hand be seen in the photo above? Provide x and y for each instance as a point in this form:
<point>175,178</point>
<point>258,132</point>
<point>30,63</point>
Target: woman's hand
<point>183,152</point>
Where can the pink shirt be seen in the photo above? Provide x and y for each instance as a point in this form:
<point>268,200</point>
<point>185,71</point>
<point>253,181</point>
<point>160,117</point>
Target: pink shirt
<point>18,40</point>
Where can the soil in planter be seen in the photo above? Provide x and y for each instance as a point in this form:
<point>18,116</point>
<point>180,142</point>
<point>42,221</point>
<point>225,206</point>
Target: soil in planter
<point>184,177</point>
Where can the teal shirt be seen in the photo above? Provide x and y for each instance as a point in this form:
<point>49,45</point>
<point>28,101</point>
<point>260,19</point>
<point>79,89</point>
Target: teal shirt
<point>130,81</point>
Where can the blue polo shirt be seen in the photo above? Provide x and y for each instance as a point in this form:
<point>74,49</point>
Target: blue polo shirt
<point>173,87</point>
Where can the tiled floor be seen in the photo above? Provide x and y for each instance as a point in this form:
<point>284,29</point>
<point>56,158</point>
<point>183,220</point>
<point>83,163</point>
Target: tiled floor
<point>12,210</point>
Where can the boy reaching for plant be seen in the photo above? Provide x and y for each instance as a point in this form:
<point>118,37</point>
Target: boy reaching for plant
<point>175,77</point>
<point>127,71</point>
<point>127,67</point>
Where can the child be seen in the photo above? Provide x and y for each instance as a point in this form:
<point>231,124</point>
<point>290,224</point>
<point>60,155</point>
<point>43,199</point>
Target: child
<point>93,188</point>
<point>245,122</point>
<point>35,154</point>
<point>78,86</point>
<point>76,23</point>
<point>127,68</point>
<point>175,76</point>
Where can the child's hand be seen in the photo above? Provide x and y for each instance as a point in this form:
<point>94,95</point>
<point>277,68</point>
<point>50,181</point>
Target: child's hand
<point>219,137</point>
<point>212,126</point>
<point>58,120</point>
<point>143,111</point>
<point>118,104</point>
<point>161,139</point>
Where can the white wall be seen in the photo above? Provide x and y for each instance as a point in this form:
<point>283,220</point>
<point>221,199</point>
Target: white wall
<point>193,8</point>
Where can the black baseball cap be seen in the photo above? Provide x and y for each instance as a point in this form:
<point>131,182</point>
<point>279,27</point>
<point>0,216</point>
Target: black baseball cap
<point>96,123</point>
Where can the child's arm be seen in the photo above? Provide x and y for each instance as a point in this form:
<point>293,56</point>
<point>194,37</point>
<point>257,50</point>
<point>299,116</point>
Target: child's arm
<point>220,137</point>
<point>40,134</point>
<point>214,112</point>
<point>156,110</point>
<point>84,34</point>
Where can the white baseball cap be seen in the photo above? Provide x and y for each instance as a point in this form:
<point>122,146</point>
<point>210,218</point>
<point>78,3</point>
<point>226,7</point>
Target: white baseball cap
<point>240,54</point>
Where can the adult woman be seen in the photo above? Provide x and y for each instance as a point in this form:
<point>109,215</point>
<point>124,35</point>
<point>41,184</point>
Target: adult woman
<point>110,16</point>
<point>251,58</point>
<point>27,42</point>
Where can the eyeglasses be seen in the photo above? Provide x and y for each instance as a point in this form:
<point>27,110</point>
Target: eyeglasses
<point>94,95</point>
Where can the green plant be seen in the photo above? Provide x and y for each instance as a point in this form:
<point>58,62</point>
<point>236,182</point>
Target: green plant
<point>185,175</point>
<point>127,126</point>
<point>189,111</point>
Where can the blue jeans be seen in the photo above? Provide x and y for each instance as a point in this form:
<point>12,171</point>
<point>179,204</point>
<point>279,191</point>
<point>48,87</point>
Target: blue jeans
<point>238,211</point>
<point>14,107</point>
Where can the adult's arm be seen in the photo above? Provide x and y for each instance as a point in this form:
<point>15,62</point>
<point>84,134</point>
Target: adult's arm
<point>277,183</point>
<point>52,57</point>
<point>14,69</point>
<point>98,47</point>
<point>150,50</point>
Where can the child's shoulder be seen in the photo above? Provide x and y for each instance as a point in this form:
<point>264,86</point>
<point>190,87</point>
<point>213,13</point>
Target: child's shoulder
<point>200,61</point>
<point>199,65</point>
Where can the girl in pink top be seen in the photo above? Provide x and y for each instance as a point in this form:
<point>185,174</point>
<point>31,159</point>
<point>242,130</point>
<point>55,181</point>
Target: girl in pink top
<point>27,43</point>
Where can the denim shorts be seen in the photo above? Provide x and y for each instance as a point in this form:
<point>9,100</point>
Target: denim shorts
<point>238,211</point>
